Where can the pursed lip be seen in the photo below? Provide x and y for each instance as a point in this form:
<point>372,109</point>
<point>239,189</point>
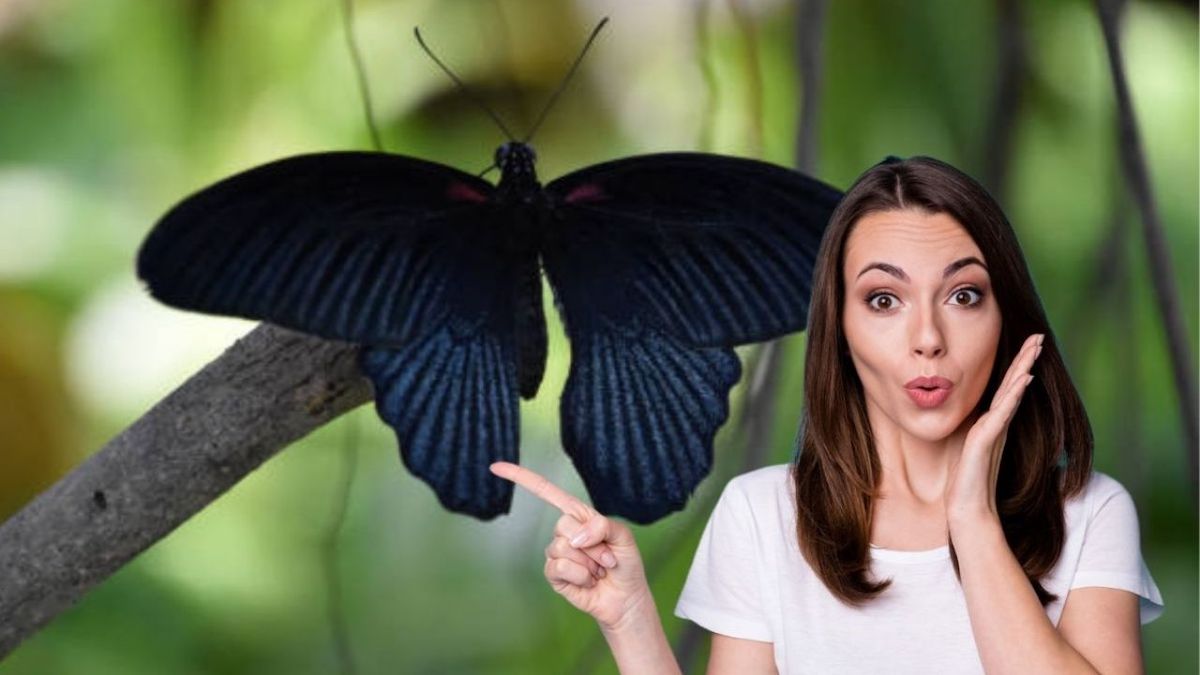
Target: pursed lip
<point>928,392</point>
<point>933,382</point>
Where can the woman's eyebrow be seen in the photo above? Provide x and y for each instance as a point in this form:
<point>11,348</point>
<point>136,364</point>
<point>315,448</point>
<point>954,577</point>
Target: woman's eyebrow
<point>890,269</point>
<point>899,273</point>
<point>961,263</point>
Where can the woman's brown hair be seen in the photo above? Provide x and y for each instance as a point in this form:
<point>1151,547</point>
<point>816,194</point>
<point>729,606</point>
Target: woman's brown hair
<point>1048,452</point>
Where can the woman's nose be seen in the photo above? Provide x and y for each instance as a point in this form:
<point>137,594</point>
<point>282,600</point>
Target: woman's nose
<point>927,339</point>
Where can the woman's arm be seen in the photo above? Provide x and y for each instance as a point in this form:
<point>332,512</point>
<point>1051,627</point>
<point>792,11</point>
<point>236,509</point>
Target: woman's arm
<point>594,563</point>
<point>640,646</point>
<point>638,643</point>
<point>1099,633</point>
<point>735,656</point>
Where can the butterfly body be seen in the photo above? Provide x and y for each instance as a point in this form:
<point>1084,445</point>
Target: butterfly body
<point>659,265</point>
<point>519,206</point>
<point>518,177</point>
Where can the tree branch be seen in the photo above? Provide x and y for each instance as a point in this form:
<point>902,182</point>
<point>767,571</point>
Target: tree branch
<point>269,389</point>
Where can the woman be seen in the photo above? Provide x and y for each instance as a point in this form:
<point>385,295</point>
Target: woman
<point>908,535</point>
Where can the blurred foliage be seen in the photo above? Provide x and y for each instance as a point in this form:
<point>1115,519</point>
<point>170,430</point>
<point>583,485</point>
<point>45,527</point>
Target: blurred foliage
<point>112,111</point>
<point>33,401</point>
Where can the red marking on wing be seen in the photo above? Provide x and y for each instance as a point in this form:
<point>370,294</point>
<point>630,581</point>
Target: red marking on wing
<point>461,192</point>
<point>588,192</point>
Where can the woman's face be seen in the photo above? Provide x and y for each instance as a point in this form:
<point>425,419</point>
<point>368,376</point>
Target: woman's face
<point>919,304</point>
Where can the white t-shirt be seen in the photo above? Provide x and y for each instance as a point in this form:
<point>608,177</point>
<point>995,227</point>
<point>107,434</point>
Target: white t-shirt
<point>749,580</point>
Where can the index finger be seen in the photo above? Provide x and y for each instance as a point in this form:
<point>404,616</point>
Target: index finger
<point>541,486</point>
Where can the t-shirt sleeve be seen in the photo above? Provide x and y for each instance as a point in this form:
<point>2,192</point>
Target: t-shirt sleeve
<point>722,592</point>
<point>1112,553</point>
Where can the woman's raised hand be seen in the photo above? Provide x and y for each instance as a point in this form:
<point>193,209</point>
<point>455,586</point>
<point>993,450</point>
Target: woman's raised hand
<point>592,561</point>
<point>970,495</point>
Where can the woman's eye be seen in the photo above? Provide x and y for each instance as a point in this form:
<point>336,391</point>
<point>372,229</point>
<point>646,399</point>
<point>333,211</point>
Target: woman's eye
<point>967,297</point>
<point>881,302</point>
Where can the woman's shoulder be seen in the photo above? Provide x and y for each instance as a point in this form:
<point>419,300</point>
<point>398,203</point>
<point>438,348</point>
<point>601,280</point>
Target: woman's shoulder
<point>760,492</point>
<point>773,480</point>
<point>1099,489</point>
<point>756,512</point>
<point>1104,507</point>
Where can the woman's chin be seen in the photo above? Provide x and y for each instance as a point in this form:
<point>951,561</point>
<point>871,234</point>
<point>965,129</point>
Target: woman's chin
<point>933,426</point>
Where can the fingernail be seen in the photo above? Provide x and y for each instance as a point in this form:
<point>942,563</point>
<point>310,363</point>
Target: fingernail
<point>601,572</point>
<point>579,538</point>
<point>1029,378</point>
<point>1041,338</point>
<point>608,559</point>
<point>1038,352</point>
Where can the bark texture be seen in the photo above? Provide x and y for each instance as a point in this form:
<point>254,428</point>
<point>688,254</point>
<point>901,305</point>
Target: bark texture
<point>272,387</point>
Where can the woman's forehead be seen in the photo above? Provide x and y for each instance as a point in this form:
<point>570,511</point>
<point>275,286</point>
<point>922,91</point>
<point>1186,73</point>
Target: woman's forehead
<point>908,238</point>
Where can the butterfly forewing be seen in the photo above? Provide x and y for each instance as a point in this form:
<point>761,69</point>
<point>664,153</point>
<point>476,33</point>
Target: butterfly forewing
<point>717,250</point>
<point>349,245</point>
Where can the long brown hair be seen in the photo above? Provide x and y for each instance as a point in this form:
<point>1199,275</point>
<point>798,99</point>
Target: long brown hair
<point>1048,452</point>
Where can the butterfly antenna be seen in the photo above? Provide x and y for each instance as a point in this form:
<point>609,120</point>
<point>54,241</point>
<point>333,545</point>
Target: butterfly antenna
<point>360,71</point>
<point>570,73</point>
<point>462,87</point>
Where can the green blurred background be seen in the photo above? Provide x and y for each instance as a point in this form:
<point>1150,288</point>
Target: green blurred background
<point>111,111</point>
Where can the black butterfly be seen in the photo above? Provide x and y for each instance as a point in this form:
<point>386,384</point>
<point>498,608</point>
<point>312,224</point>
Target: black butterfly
<point>659,265</point>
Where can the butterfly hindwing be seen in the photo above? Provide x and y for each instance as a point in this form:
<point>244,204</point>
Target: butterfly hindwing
<point>451,398</point>
<point>357,246</point>
<point>639,413</point>
<point>660,264</point>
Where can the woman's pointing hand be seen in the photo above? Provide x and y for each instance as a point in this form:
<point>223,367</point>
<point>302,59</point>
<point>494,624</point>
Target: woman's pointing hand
<point>592,561</point>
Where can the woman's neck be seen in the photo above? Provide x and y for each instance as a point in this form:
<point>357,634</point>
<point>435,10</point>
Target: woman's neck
<point>915,469</point>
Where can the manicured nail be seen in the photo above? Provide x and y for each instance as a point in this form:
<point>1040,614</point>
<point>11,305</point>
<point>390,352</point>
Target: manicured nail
<point>608,559</point>
<point>579,538</point>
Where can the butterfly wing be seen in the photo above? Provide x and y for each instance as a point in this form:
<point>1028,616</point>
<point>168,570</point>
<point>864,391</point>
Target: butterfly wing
<point>356,246</point>
<point>718,250</point>
<point>659,265</point>
<point>451,398</point>
<point>404,256</point>
<point>639,413</point>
